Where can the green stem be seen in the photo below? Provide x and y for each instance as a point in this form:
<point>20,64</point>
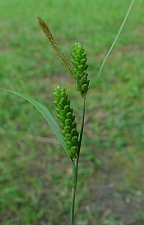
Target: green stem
<point>82,125</point>
<point>75,164</point>
<point>74,186</point>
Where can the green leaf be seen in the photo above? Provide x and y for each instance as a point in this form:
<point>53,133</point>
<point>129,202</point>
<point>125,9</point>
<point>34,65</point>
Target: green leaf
<point>46,114</point>
<point>116,38</point>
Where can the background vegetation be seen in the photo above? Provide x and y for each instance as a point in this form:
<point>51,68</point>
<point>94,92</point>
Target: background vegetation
<point>35,176</point>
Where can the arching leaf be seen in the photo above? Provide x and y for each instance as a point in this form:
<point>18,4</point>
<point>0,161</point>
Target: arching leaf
<point>46,114</point>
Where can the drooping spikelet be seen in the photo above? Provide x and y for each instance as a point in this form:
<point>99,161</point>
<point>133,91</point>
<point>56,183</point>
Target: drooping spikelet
<point>67,119</point>
<point>79,60</point>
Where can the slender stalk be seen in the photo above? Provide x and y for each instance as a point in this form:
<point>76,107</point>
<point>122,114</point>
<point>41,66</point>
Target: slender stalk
<point>75,164</point>
<point>82,125</point>
<point>74,186</point>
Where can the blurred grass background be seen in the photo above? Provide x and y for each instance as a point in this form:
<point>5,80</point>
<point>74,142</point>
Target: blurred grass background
<point>35,175</point>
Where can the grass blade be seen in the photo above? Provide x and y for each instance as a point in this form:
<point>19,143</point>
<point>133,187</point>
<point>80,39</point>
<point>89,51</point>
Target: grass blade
<point>55,46</point>
<point>46,114</point>
<point>116,38</point>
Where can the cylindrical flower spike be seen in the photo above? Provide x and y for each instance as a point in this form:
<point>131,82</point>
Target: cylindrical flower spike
<point>67,119</point>
<point>79,60</point>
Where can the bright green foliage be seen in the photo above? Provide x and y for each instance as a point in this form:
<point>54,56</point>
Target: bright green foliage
<point>45,113</point>
<point>114,105</point>
<point>67,119</point>
<point>79,60</point>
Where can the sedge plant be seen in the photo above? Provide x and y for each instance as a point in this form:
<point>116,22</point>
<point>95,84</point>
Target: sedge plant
<point>67,133</point>
<point>72,138</point>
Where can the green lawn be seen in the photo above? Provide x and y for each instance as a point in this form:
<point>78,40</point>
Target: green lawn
<point>35,175</point>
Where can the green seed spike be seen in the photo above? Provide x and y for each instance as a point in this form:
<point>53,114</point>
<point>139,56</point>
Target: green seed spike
<point>67,120</point>
<point>79,60</point>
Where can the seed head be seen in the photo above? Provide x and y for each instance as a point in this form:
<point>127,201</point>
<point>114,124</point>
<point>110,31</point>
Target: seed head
<point>79,60</point>
<point>67,120</point>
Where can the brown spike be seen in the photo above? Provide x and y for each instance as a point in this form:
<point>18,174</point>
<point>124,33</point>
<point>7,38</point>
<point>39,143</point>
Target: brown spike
<point>54,45</point>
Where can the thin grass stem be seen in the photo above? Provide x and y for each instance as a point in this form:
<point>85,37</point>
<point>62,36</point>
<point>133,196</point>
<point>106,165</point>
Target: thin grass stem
<point>74,187</point>
<point>82,124</point>
<point>75,165</point>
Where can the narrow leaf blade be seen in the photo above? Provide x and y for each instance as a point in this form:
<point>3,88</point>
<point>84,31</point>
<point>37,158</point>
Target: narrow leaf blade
<point>46,114</point>
<point>116,38</point>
